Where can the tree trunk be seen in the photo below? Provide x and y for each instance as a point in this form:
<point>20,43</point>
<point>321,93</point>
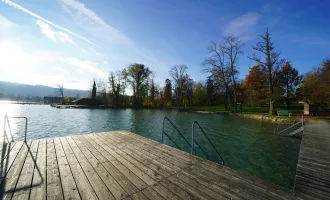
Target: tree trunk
<point>235,102</point>
<point>272,110</point>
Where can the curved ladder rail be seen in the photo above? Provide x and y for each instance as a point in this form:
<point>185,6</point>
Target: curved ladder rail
<point>194,141</point>
<point>163,132</point>
<point>26,121</point>
<point>300,122</point>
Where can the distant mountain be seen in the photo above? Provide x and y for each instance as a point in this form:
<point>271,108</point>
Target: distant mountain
<point>37,90</point>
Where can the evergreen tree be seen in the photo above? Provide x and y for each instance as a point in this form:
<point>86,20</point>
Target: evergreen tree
<point>94,90</point>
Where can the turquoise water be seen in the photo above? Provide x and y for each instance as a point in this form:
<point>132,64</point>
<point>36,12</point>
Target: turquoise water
<point>245,144</point>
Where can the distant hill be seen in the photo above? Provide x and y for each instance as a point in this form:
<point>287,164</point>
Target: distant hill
<point>37,90</point>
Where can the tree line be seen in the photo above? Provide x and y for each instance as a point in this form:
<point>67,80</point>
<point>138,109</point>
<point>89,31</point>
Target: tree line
<point>272,80</point>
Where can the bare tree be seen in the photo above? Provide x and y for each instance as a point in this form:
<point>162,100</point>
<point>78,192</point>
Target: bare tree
<point>153,89</point>
<point>115,87</point>
<point>60,90</point>
<point>270,64</point>
<point>216,65</point>
<point>102,90</point>
<point>124,75</point>
<point>233,48</point>
<point>178,73</point>
<point>188,89</point>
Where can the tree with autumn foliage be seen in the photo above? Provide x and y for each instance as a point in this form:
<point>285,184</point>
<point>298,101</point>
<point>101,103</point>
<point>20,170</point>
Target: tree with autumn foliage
<point>315,88</point>
<point>255,86</point>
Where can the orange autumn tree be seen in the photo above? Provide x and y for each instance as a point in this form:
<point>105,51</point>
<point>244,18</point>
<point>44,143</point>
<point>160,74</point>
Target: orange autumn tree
<point>255,86</point>
<point>315,88</point>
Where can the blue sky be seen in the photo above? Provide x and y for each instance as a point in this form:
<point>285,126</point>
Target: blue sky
<point>71,42</point>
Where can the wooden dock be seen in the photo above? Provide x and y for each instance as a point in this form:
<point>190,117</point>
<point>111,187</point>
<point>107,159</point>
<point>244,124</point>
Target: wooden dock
<point>313,169</point>
<point>120,165</point>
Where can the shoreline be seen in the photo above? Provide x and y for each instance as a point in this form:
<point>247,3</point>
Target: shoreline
<point>265,118</point>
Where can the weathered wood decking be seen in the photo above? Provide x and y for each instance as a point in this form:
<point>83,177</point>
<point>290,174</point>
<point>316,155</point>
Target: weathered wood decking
<point>313,169</point>
<point>120,165</point>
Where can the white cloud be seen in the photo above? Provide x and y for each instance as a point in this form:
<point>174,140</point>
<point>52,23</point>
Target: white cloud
<point>93,22</point>
<point>59,69</point>
<point>243,26</point>
<point>123,50</point>
<point>105,62</point>
<point>80,71</point>
<point>86,65</point>
<point>48,32</point>
<point>65,38</point>
<point>54,35</point>
<point>5,22</point>
<point>45,20</point>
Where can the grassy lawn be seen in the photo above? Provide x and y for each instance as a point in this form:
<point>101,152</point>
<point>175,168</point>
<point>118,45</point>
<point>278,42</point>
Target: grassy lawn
<point>264,110</point>
<point>210,108</point>
<point>295,109</point>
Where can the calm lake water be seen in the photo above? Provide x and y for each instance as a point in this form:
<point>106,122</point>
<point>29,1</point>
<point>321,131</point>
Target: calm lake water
<point>245,144</point>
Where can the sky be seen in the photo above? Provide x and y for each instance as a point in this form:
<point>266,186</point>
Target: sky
<point>70,42</point>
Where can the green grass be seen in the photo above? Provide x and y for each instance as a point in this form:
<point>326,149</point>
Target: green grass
<point>210,108</point>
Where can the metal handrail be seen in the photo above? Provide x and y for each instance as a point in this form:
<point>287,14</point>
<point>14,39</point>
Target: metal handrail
<point>302,125</point>
<point>163,132</point>
<point>26,121</point>
<point>193,140</point>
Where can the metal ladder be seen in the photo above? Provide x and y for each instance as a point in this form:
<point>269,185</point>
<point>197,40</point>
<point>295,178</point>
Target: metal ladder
<point>169,137</point>
<point>208,139</point>
<point>6,120</point>
<point>193,141</point>
<point>276,132</point>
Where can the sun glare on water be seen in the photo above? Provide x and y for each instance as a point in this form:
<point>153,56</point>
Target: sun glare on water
<point>8,127</point>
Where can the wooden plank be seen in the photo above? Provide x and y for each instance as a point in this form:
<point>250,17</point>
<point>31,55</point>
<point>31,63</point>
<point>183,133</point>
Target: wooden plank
<point>152,194</point>
<point>156,172</point>
<point>38,186</point>
<point>54,184</point>
<point>148,143</point>
<point>100,154</point>
<point>312,174</point>
<point>146,159</point>
<point>165,190</point>
<point>166,161</point>
<point>175,189</point>
<point>184,156</point>
<point>139,196</point>
<point>147,175</point>
<point>189,187</point>
<point>85,189</point>
<point>22,190</point>
<point>150,150</point>
<point>9,182</point>
<point>101,190</point>
<point>117,191</point>
<point>9,157</point>
<point>5,149</point>
<point>123,168</point>
<point>70,190</point>
<point>237,175</point>
<point>205,187</point>
<point>236,186</point>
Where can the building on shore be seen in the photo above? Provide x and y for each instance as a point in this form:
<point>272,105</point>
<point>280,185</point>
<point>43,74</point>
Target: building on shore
<point>86,101</point>
<point>51,100</point>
